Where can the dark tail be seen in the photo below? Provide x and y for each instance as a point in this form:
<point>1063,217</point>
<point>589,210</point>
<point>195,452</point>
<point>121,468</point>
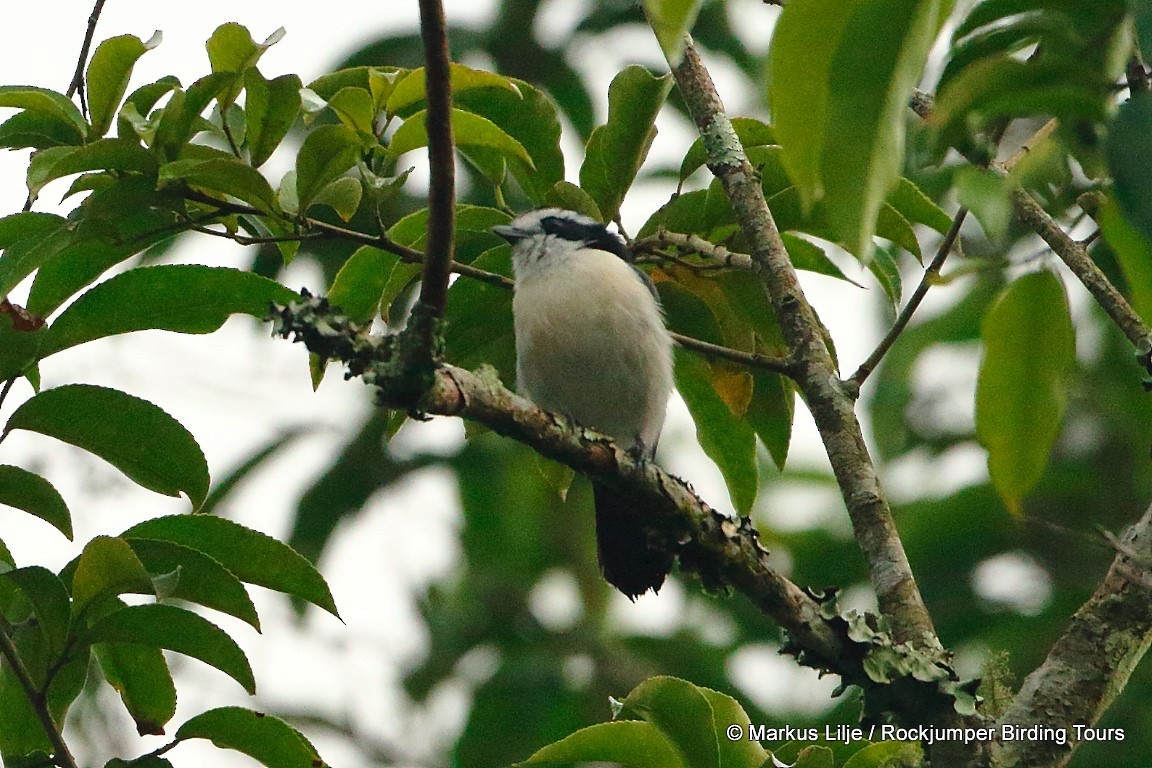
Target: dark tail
<point>628,559</point>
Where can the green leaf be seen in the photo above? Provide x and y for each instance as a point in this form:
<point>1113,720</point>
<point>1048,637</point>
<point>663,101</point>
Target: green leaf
<point>696,721</point>
<point>108,75</point>
<point>530,118</point>
<point>565,194</point>
<point>341,195</point>
<point>253,557</point>
<point>175,629</point>
<point>1029,351</point>
<point>266,739</point>
<point>770,413</point>
<point>751,132</point>
<point>50,604</point>
<point>1002,86</point>
<point>806,255</point>
<point>887,753</point>
<point>887,272</point>
<point>328,152</point>
<point>734,753</point>
<point>357,286</point>
<point>726,438</point>
<point>617,149</point>
<point>469,130</point>
<point>146,761</point>
<point>30,492</point>
<point>355,108</point>
<point>918,208</point>
<point>55,105</point>
<point>379,81</point>
<point>625,742</point>
<point>132,122</point>
<point>410,90</point>
<point>1133,251</point>
<point>131,434</point>
<point>474,234</point>
<point>671,20</point>
<point>140,675</point>
<point>36,130</point>
<point>185,298</point>
<point>104,154</point>
<point>231,49</point>
<point>200,579</point>
<point>816,756</point>
<point>21,732</point>
<point>18,350</point>
<point>106,568</point>
<point>838,105</point>
<point>231,177</point>
<point>179,120</point>
<point>988,196</point>
<point>682,714</point>
<point>480,319</point>
<point>270,109</point>
<point>1130,160</point>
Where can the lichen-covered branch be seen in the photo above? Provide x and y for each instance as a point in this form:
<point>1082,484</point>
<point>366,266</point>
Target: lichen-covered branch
<point>1076,257</point>
<point>830,402</point>
<point>722,551</point>
<point>1090,664</point>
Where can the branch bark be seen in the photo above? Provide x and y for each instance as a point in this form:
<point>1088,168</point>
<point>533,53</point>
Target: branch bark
<point>1091,662</point>
<point>830,402</point>
<point>442,187</point>
<point>1076,257</point>
<point>722,551</point>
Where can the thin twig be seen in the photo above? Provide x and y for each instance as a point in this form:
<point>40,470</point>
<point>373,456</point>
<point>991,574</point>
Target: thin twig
<point>931,275</point>
<point>37,699</point>
<point>413,256</point>
<point>751,359</point>
<point>77,85</point>
<point>7,388</point>
<point>248,240</point>
<point>653,244</point>
<point>442,165</point>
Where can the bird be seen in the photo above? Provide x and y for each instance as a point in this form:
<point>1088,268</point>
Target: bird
<point>592,344</point>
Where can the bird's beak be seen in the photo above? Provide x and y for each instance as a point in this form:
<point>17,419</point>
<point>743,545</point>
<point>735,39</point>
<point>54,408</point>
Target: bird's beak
<point>510,233</point>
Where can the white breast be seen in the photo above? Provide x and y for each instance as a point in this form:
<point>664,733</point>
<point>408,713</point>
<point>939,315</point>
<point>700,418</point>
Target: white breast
<point>591,343</point>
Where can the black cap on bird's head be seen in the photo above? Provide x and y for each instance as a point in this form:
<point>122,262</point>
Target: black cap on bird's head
<point>564,225</point>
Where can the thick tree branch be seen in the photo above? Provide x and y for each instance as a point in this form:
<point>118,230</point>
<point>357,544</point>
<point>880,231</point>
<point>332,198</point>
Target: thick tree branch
<point>722,551</point>
<point>424,323</point>
<point>1090,664</point>
<point>828,399</point>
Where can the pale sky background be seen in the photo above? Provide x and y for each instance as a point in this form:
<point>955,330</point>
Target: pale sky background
<point>238,388</point>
